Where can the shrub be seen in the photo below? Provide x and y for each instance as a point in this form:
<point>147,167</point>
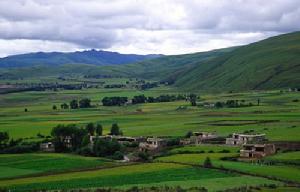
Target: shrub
<point>224,151</point>
<point>143,156</point>
<point>85,151</point>
<point>207,163</point>
<point>118,155</point>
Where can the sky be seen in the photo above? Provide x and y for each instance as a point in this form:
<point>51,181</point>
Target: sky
<point>141,26</point>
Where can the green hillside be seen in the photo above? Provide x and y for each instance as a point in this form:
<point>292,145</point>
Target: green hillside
<point>271,63</point>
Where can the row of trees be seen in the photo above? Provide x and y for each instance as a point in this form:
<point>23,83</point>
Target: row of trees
<point>114,101</point>
<point>118,101</point>
<point>75,104</point>
<point>235,104</point>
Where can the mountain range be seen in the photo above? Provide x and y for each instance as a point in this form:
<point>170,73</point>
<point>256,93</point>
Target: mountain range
<point>268,64</point>
<point>79,57</point>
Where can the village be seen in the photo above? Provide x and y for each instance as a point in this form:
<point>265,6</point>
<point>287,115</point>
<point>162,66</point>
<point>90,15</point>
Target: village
<point>252,146</point>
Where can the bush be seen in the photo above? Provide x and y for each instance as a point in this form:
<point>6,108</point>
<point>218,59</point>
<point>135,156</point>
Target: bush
<point>104,147</point>
<point>173,142</point>
<point>118,155</point>
<point>143,156</point>
<point>224,151</point>
<point>207,163</point>
<point>85,151</point>
<point>20,149</point>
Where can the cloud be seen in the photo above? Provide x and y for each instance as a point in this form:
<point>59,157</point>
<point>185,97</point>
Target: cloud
<point>140,26</point>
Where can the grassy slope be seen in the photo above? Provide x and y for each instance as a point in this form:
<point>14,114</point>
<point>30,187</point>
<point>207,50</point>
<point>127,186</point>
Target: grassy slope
<point>271,63</point>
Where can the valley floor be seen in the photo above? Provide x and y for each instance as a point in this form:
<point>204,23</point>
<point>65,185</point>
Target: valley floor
<point>277,115</point>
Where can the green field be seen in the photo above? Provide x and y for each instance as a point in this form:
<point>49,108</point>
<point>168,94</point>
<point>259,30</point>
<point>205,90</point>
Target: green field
<point>154,174</point>
<point>14,165</point>
<point>276,114</point>
<point>205,148</point>
<point>285,172</point>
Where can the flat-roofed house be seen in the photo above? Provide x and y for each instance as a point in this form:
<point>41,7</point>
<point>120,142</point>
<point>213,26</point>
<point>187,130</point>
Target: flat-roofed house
<point>47,147</point>
<point>120,139</point>
<point>200,137</point>
<point>241,139</point>
<point>257,150</point>
<point>152,144</point>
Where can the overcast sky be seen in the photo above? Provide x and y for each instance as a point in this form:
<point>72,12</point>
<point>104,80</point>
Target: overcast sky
<point>141,26</point>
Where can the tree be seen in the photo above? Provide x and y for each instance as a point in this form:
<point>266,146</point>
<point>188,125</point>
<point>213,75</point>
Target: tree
<point>207,163</point>
<point>258,101</point>
<point>4,137</point>
<point>74,104</point>
<point>114,101</point>
<point>219,104</point>
<point>90,128</point>
<point>139,99</point>
<point>75,135</point>
<point>99,129</point>
<point>64,106</point>
<point>54,107</point>
<point>103,147</point>
<point>115,130</point>
<point>85,103</point>
<point>25,110</point>
<point>189,134</point>
<point>85,141</point>
<point>193,99</point>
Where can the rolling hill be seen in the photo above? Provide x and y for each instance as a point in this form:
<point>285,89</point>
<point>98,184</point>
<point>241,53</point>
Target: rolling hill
<point>58,58</point>
<point>268,64</point>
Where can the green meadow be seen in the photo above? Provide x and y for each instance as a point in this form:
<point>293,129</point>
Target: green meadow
<point>277,115</point>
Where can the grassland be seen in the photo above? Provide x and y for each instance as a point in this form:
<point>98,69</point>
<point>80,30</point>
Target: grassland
<point>277,113</point>
<point>14,165</point>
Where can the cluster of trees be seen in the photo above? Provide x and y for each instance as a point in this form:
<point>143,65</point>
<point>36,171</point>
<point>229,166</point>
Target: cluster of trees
<point>118,101</point>
<point>164,98</point>
<point>71,138</point>
<point>75,104</point>
<point>114,101</point>
<point>147,85</point>
<point>234,104</point>
<point>9,145</point>
<point>115,86</point>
